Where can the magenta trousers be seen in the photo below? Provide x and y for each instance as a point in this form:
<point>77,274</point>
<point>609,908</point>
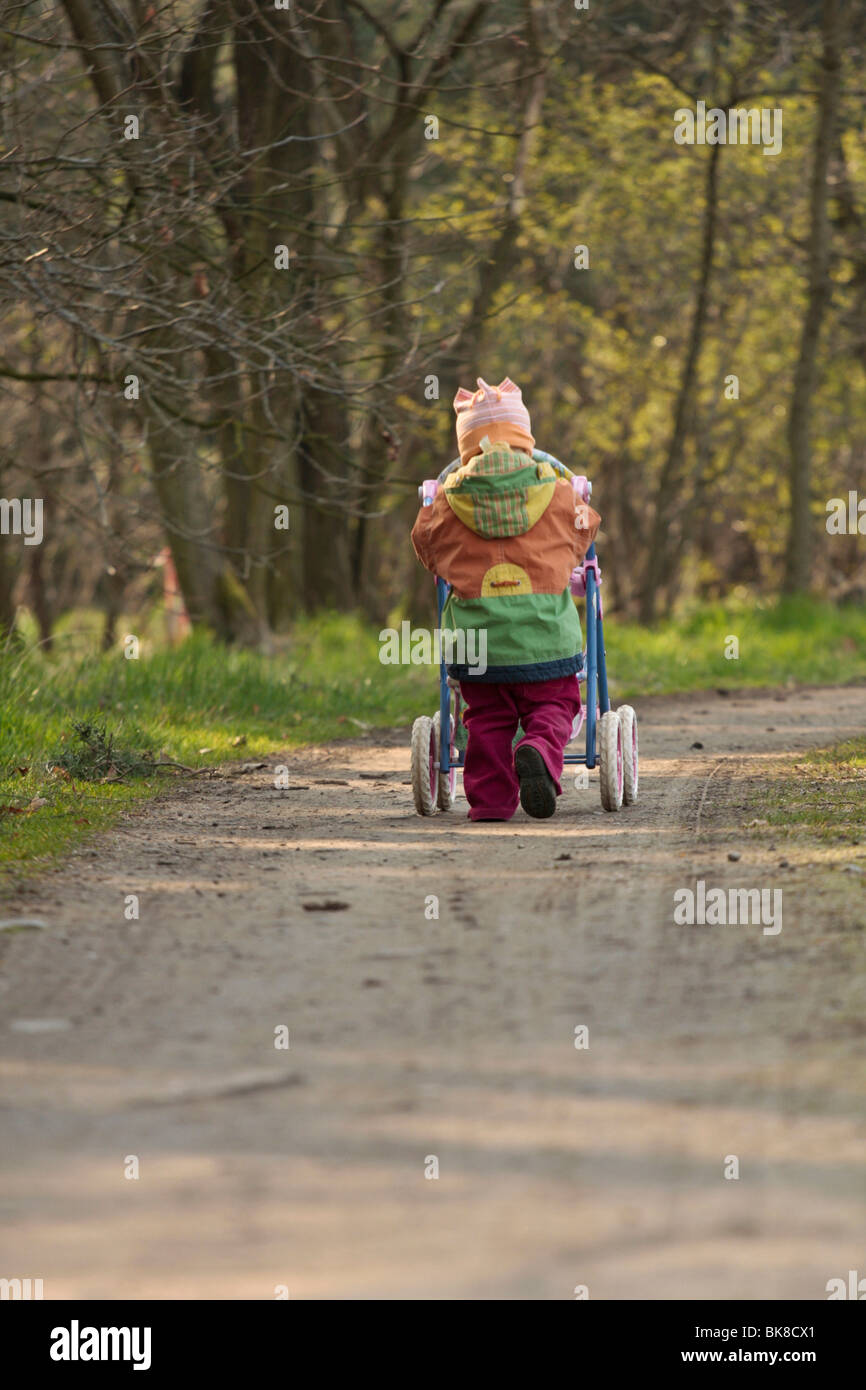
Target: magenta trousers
<point>546,711</point>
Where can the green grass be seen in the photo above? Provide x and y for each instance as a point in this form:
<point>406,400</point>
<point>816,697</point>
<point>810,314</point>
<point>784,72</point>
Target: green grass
<point>202,704</point>
<point>795,640</point>
<point>845,760</point>
<point>821,797</point>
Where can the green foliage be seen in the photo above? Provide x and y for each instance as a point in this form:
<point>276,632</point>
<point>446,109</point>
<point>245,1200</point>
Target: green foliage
<point>94,755</point>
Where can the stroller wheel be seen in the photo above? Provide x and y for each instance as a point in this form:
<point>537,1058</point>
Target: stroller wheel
<point>628,724</point>
<point>610,760</point>
<point>424,771</point>
<point>446,782</point>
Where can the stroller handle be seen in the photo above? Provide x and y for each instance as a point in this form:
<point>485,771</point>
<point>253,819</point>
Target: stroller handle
<point>581,484</point>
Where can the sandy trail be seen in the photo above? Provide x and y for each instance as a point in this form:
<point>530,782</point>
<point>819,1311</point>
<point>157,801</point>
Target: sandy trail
<point>451,1038</point>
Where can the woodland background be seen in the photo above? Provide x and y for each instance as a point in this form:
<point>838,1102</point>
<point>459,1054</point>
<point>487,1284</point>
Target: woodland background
<point>411,258</point>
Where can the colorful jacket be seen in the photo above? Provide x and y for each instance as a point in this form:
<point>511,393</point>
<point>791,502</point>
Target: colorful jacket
<point>505,532</point>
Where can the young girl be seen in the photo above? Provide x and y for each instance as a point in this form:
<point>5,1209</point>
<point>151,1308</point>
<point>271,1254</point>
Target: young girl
<point>505,532</point>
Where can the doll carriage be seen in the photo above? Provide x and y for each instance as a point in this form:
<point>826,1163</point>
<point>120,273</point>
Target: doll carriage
<point>610,736</point>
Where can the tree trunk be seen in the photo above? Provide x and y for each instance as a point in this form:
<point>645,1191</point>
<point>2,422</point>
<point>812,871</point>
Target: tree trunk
<point>212,593</point>
<point>798,553</point>
<point>8,576</point>
<point>662,541</point>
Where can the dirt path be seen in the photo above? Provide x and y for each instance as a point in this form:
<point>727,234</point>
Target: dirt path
<point>451,1038</point>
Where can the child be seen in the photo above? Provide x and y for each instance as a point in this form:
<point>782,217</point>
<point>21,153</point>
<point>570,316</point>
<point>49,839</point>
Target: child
<point>505,533</point>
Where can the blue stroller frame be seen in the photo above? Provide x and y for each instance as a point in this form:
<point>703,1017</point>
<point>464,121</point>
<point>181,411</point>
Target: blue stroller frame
<point>611,736</point>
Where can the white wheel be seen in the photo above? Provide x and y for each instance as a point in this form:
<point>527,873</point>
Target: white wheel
<point>609,736</point>
<point>628,724</point>
<point>424,773</point>
<point>446,782</point>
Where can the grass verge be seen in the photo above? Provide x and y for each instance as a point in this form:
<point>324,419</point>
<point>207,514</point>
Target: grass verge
<point>795,640</point>
<point>199,705</point>
<point>820,797</point>
<point>203,704</point>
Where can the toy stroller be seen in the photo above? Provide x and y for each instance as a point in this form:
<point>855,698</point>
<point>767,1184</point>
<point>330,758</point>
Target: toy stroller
<point>611,739</point>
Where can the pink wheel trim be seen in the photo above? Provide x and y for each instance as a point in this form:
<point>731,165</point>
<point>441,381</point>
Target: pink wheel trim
<point>434,771</point>
<point>452,750</point>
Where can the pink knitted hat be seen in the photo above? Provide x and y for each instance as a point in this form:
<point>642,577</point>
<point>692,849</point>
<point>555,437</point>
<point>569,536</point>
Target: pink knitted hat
<point>495,410</point>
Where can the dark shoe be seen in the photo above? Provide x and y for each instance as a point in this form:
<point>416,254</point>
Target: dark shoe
<point>537,787</point>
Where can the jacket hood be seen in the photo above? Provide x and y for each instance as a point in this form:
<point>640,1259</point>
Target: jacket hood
<point>500,492</point>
